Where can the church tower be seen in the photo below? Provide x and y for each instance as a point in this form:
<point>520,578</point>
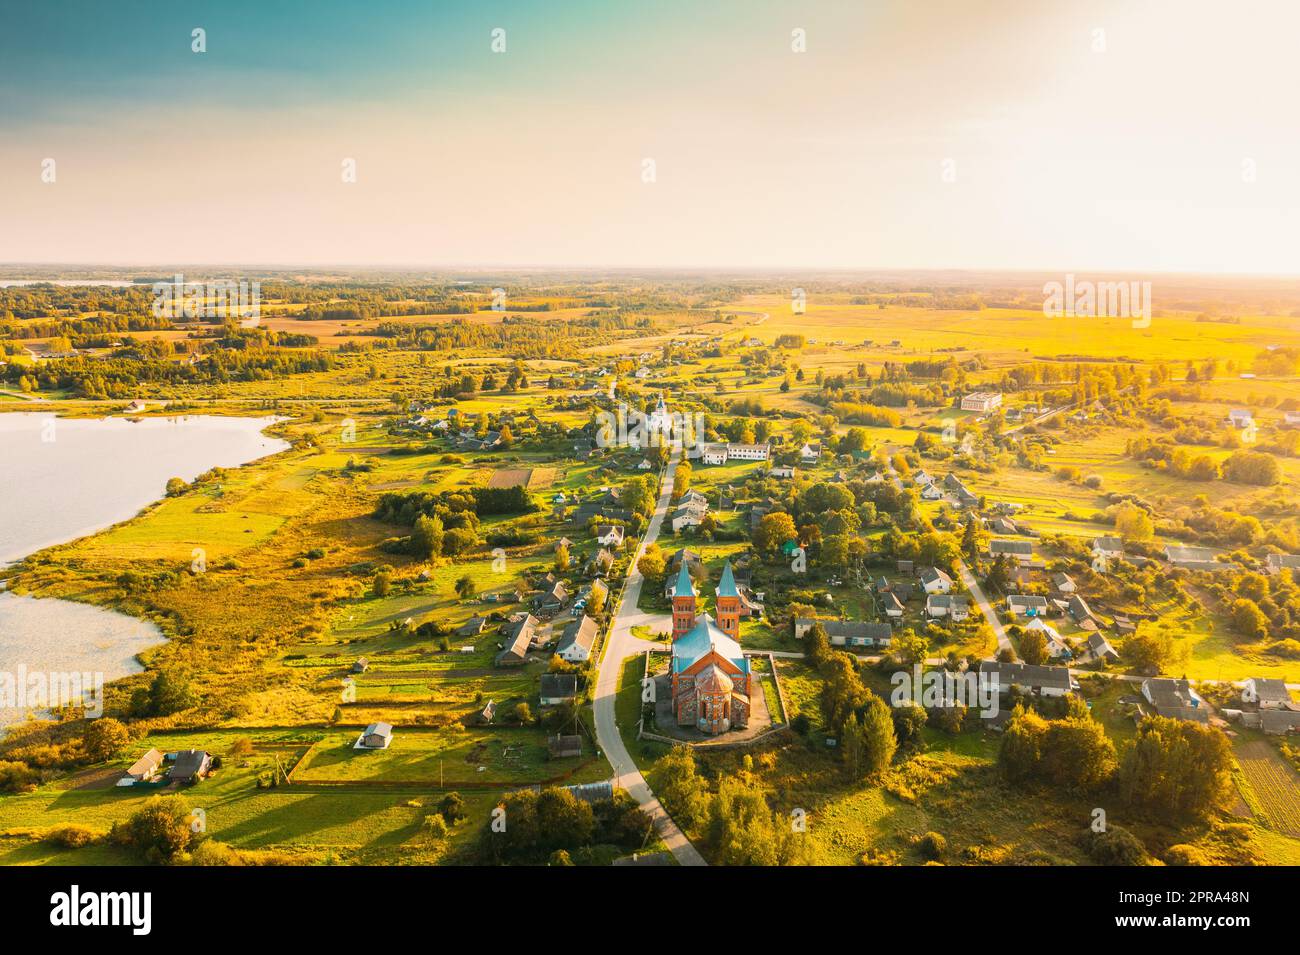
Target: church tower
<point>728,604</point>
<point>683,602</point>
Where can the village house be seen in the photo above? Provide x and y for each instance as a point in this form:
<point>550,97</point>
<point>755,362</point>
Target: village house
<point>189,766</point>
<point>1240,418</point>
<point>1064,583</point>
<point>518,640</point>
<point>1020,550</point>
<point>1098,648</point>
<point>935,581</point>
<point>471,627</point>
<point>553,600</point>
<point>1026,605</point>
<point>782,472</point>
<point>577,640</point>
<point>810,453</point>
<point>1175,699</point>
<point>1267,694</point>
<point>892,605</point>
<point>557,688</point>
<point>144,769</point>
<point>951,606</point>
<point>688,515</point>
<point>609,535</point>
<point>1108,548</point>
<point>931,493</point>
<point>1042,680</point>
<point>1192,558</point>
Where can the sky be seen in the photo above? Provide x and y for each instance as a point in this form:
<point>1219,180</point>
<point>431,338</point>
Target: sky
<point>1141,135</point>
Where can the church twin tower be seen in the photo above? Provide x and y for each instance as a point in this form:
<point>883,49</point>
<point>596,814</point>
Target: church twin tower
<point>685,601</point>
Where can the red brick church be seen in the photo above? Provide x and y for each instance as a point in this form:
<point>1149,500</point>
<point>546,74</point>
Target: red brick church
<point>711,678</point>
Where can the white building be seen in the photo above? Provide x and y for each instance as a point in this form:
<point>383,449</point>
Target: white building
<point>981,401</point>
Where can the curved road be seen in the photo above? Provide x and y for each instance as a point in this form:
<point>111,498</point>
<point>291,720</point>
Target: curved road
<point>622,645</point>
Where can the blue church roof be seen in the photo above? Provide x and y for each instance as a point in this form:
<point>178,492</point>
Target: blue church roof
<point>700,639</point>
<point>684,586</point>
<point>727,586</point>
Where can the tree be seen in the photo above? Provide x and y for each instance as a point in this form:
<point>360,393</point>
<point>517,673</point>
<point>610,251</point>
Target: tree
<point>678,784</point>
<point>842,690</point>
<point>1252,467</point>
<point>160,830</point>
<point>878,740</point>
<point>909,648</point>
<point>1133,522</point>
<point>175,487</point>
<point>105,738</point>
<point>1077,754</point>
<point>681,479</point>
<point>167,694</point>
<point>774,530</point>
<point>1176,769</point>
<point>427,537</point>
<point>382,583</point>
<point>1248,619</point>
<point>1021,749</point>
<point>464,587</point>
<point>909,719</point>
<point>523,714</point>
<point>1033,647</point>
<point>1153,648</point>
<point>816,645</point>
<point>652,564</point>
<point>562,558</point>
<point>452,808</point>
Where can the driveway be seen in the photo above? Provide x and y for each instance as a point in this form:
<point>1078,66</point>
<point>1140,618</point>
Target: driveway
<point>622,644</point>
<point>971,584</point>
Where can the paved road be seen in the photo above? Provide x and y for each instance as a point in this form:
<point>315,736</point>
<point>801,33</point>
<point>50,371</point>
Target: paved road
<point>973,585</point>
<point>623,644</point>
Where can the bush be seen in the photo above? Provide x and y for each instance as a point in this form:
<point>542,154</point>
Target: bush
<point>16,777</point>
<point>69,836</point>
<point>932,845</point>
<point>1186,855</point>
<point>1116,846</point>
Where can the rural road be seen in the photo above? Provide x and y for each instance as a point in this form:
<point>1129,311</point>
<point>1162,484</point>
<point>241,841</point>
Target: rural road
<point>622,645</point>
<point>971,584</point>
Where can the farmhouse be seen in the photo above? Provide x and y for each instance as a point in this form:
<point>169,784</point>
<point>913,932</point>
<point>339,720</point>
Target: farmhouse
<point>981,401</point>
<point>1175,699</point>
<point>1064,583</point>
<point>609,535</point>
<point>1192,558</point>
<point>935,581</point>
<point>688,515</point>
<point>892,605</point>
<point>1109,548</point>
<point>1026,605</point>
<point>553,600</point>
<point>931,493</point>
<point>1279,722</point>
<point>577,640</point>
<point>1240,418</point>
<point>558,688</point>
<point>1269,694</point>
<point>471,627</point>
<point>1045,681</point>
<point>692,559</point>
<point>1021,550</point>
<point>375,736</point>
<point>783,472</point>
<point>518,639</point>
<point>143,769</point>
<point>953,606</point>
<point>1099,648</point>
<point>189,766</point>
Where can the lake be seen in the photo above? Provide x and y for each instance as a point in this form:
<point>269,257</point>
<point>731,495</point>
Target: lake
<point>64,478</point>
